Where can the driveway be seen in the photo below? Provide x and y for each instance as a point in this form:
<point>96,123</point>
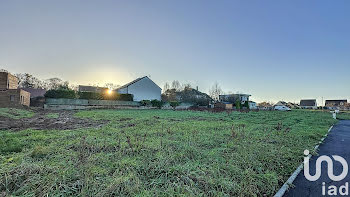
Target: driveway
<point>337,143</point>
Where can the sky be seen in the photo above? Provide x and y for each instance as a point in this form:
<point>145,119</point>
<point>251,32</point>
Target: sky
<point>273,50</point>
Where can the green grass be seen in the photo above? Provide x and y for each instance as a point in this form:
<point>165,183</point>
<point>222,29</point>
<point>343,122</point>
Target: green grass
<point>344,115</point>
<point>52,115</point>
<point>161,153</point>
<point>15,113</point>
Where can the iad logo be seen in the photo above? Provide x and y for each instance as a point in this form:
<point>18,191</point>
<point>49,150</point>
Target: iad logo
<point>332,189</point>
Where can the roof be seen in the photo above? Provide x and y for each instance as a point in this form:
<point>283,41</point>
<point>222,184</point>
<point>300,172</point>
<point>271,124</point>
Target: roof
<point>308,102</point>
<point>336,102</point>
<point>35,92</point>
<point>227,95</point>
<point>132,82</point>
<point>280,103</point>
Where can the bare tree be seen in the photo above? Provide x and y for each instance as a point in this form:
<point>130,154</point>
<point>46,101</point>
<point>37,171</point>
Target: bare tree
<point>53,83</point>
<point>166,87</point>
<point>187,86</point>
<point>176,85</point>
<point>215,91</point>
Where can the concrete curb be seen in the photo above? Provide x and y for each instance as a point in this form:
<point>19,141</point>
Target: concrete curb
<point>290,180</point>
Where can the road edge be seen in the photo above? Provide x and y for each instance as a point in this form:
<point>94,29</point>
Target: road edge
<point>290,180</point>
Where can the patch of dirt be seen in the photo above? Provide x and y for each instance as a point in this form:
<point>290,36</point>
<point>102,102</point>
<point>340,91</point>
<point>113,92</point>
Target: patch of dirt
<point>39,121</point>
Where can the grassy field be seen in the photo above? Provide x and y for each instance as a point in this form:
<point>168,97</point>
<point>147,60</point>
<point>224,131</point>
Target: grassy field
<point>161,153</point>
<point>15,113</point>
<point>344,115</point>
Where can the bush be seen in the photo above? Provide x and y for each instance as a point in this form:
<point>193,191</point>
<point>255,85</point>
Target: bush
<point>145,103</point>
<point>246,104</point>
<point>61,93</point>
<point>124,97</point>
<point>238,105</point>
<point>90,95</point>
<point>174,104</point>
<point>105,96</point>
<point>156,103</point>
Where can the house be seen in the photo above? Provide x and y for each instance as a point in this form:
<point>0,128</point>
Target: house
<point>223,105</point>
<point>142,89</point>
<point>265,106</point>
<point>336,104</point>
<point>37,96</point>
<point>233,98</point>
<point>293,105</point>
<point>281,103</point>
<point>95,89</point>
<point>252,105</point>
<point>281,106</point>
<point>10,95</point>
<point>35,92</point>
<point>308,104</point>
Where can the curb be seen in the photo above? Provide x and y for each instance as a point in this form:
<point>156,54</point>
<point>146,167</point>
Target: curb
<point>290,180</point>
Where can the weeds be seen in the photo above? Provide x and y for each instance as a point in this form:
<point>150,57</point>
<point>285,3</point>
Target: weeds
<point>181,153</point>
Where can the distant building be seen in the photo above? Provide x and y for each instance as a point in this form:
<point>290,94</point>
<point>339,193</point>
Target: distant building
<point>265,106</point>
<point>142,89</point>
<point>293,105</point>
<point>223,105</point>
<point>308,104</point>
<point>281,103</point>
<point>252,105</point>
<point>35,92</point>
<point>10,95</point>
<point>37,96</point>
<point>233,98</point>
<point>336,104</point>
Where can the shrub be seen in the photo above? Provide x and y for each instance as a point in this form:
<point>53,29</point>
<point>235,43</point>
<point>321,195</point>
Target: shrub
<point>145,103</point>
<point>124,97</point>
<point>105,96</point>
<point>61,93</point>
<point>238,105</point>
<point>174,104</point>
<point>90,95</point>
<point>157,103</point>
<point>246,104</point>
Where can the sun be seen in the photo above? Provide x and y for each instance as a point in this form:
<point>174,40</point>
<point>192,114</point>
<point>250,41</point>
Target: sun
<point>109,91</point>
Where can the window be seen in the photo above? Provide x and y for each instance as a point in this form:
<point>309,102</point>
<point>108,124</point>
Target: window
<point>12,97</point>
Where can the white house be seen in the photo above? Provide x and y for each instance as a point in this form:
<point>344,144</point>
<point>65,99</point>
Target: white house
<point>142,88</point>
<point>252,105</point>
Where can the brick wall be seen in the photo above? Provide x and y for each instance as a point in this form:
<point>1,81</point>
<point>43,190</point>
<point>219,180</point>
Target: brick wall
<point>8,81</point>
<point>20,97</point>
<point>25,98</point>
<point>13,81</point>
<point>3,81</point>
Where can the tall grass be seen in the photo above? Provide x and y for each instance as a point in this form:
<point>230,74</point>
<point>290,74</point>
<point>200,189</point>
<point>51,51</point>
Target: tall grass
<point>162,153</point>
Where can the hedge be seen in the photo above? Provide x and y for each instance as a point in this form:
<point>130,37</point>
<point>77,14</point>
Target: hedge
<point>61,93</point>
<point>71,94</point>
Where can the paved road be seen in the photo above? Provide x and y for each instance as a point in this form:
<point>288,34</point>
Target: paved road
<point>337,143</point>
